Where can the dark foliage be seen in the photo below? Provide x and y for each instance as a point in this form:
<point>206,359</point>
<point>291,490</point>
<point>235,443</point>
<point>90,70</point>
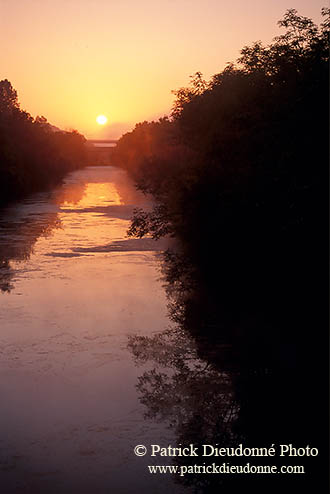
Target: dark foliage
<point>33,154</point>
<point>239,174</point>
<point>244,158</point>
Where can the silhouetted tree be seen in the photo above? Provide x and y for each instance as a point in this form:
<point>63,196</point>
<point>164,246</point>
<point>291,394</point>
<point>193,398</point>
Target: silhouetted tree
<point>239,177</point>
<point>8,98</point>
<point>33,153</point>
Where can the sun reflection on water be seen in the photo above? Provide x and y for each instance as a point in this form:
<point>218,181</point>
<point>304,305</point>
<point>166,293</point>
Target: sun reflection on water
<point>95,194</point>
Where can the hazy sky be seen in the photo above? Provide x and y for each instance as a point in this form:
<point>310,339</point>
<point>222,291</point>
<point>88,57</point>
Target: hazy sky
<point>71,60</point>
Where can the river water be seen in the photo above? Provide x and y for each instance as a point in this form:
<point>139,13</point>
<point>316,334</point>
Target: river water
<point>73,289</point>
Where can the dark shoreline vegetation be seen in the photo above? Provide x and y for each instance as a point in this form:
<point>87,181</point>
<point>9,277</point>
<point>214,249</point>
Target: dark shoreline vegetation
<point>34,155</point>
<point>239,175</point>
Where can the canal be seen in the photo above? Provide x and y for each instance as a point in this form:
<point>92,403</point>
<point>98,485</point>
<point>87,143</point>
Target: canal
<point>74,289</point>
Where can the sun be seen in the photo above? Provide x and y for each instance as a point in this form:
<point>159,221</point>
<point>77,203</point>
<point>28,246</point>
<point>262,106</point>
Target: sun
<point>101,119</point>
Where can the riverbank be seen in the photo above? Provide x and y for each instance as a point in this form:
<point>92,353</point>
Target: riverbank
<point>34,155</point>
<point>239,175</point>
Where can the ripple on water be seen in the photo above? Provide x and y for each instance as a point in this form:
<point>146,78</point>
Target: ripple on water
<point>72,415</point>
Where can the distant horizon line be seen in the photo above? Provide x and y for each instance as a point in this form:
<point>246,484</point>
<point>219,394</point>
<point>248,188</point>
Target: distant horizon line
<point>101,141</point>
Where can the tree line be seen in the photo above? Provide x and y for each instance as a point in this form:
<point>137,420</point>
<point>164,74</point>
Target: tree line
<point>34,154</point>
<point>238,171</point>
<point>238,174</point>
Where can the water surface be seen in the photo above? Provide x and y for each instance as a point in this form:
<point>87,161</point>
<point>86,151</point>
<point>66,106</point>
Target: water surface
<point>74,288</point>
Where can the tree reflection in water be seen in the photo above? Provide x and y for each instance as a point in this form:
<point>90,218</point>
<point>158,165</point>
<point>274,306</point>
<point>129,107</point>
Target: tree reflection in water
<point>219,379</point>
<point>17,242</point>
<point>193,396</point>
<point>23,223</point>
<point>189,387</point>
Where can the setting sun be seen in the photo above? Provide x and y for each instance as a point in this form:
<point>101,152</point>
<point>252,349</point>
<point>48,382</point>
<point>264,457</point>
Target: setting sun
<point>101,120</point>
<point>124,321</point>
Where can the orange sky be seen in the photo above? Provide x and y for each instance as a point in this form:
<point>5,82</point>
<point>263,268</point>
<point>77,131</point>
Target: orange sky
<point>71,60</point>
